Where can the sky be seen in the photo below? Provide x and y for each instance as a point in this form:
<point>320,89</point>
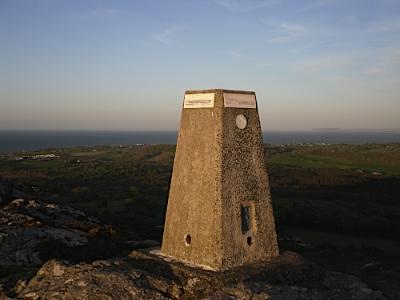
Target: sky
<point>125,64</point>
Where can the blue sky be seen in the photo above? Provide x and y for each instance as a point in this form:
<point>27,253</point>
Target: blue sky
<point>102,64</point>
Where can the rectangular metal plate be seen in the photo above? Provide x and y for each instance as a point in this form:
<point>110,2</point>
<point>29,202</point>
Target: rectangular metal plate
<point>199,100</point>
<point>239,100</point>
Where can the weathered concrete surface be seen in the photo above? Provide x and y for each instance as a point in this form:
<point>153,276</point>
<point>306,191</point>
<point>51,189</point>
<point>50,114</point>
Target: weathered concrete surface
<point>217,169</point>
<point>245,181</point>
<point>143,276</point>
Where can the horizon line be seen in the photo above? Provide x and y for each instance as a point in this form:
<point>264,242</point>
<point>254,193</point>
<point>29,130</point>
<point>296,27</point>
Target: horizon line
<point>333,130</point>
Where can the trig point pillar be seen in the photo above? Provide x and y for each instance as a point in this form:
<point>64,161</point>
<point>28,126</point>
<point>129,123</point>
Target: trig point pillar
<point>219,212</point>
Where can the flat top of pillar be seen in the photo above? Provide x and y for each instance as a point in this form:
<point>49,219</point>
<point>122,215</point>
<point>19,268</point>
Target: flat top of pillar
<point>219,90</point>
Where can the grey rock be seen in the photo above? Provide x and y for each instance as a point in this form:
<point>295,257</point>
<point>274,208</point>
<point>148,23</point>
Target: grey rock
<point>143,275</point>
<point>25,224</point>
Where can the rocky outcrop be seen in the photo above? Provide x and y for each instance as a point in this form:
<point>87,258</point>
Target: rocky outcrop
<point>142,275</point>
<point>26,224</point>
<point>32,231</point>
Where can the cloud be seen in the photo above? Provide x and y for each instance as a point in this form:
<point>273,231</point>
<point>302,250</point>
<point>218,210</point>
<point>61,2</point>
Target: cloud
<point>106,13</point>
<point>101,14</point>
<point>285,32</point>
<point>239,55</point>
<point>280,39</point>
<point>165,35</point>
<point>293,28</point>
<point>384,26</point>
<point>384,62</point>
<point>238,6</point>
<point>319,3</point>
<point>325,63</point>
<point>272,64</point>
<point>323,2</point>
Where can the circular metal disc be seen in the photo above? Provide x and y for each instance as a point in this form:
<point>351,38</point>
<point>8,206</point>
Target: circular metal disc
<point>241,121</point>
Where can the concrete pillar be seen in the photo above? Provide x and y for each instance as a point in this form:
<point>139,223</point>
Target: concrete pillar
<point>219,212</point>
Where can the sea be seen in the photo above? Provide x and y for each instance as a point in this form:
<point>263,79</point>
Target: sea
<point>12,141</point>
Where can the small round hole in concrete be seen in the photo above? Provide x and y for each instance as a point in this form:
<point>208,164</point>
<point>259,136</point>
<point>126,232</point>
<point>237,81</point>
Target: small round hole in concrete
<point>249,241</point>
<point>241,121</point>
<point>188,239</point>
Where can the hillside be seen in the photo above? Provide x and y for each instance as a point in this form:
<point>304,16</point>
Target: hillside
<point>336,205</point>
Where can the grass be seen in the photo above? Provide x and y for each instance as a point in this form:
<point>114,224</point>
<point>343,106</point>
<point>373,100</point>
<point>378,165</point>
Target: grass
<point>368,158</point>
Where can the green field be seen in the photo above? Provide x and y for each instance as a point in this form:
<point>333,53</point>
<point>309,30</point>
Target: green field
<point>361,158</point>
